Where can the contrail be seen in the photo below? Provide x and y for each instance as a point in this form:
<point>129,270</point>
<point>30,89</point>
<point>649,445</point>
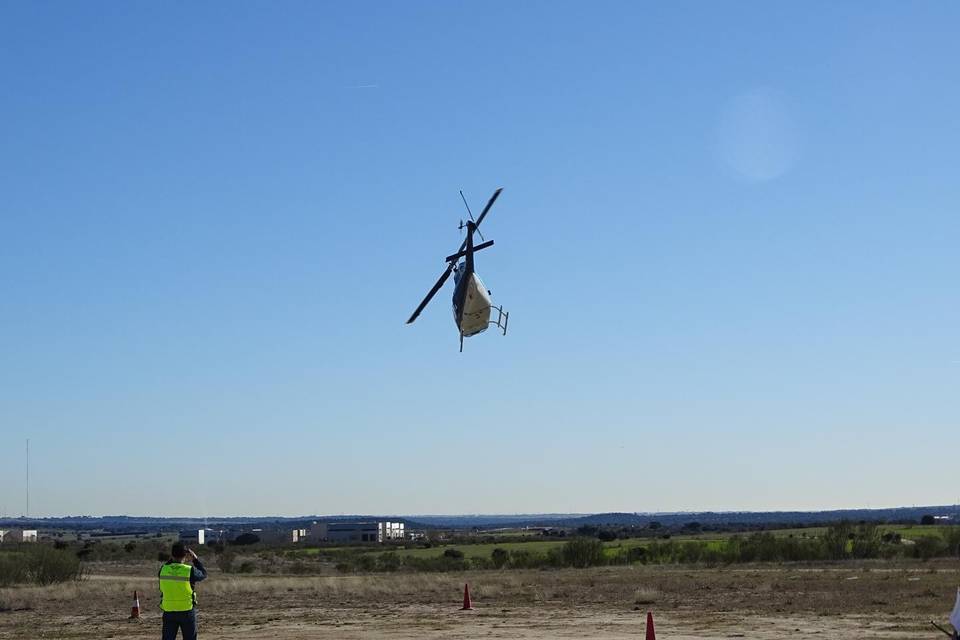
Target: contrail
<point>364,86</point>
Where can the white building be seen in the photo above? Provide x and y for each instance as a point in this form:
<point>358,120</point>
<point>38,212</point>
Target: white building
<point>391,531</point>
<point>372,531</point>
<point>18,535</point>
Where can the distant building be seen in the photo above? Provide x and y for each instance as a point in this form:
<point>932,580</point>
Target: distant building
<point>372,531</point>
<point>300,534</point>
<point>192,536</point>
<point>270,534</point>
<point>318,531</point>
<point>391,531</point>
<point>201,536</point>
<point>18,535</point>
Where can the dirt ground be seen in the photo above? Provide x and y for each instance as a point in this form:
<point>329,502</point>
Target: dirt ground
<point>881,600</point>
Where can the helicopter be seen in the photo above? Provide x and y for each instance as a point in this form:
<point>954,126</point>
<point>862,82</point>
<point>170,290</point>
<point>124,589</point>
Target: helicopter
<point>472,307</point>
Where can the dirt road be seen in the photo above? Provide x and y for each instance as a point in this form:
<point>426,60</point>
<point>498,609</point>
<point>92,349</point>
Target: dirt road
<point>759,603</point>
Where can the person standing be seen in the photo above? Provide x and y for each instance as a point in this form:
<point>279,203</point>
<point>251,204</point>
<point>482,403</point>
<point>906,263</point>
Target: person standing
<point>178,598</point>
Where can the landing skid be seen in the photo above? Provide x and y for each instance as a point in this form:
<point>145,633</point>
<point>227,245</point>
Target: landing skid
<point>503,317</point>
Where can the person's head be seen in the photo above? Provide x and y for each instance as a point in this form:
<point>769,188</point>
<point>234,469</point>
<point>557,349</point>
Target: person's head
<point>178,551</point>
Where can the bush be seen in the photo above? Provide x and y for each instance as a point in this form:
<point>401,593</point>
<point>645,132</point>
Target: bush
<point>583,552</point>
<point>366,562</point>
<point>637,554</point>
<point>866,541</point>
<point>247,567</point>
<point>952,539</point>
<point>13,569</point>
<point>455,554</point>
<point>49,566</point>
<point>245,539</point>
<point>928,547</point>
<point>523,559</point>
<point>225,561</point>
<point>499,558</point>
<point>835,540</point>
<point>40,565</point>
<point>390,561</point>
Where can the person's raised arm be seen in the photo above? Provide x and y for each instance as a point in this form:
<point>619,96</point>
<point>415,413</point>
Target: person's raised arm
<point>198,572</point>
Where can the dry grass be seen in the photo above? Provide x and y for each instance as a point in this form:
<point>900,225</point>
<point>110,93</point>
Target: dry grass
<point>901,596</point>
<point>361,588</point>
<point>645,595</point>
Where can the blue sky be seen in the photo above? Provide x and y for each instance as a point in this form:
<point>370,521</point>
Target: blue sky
<point>727,240</point>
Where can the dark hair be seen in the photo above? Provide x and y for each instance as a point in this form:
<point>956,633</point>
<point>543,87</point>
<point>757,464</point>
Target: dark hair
<point>178,550</point>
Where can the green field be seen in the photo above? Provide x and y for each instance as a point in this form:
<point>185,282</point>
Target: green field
<point>613,548</point>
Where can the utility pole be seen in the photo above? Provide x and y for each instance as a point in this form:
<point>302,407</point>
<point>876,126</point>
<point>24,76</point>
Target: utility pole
<point>28,477</point>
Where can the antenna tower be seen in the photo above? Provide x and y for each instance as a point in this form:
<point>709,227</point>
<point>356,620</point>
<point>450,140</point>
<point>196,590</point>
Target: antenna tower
<point>28,478</point>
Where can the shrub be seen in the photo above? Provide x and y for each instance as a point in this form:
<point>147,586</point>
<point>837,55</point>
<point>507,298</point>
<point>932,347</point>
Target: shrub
<point>952,539</point>
<point>583,552</point>
<point>245,539</point>
<point>523,559</point>
<point>456,554</point>
<point>690,552</point>
<point>606,535</point>
<point>40,565</point>
<point>637,554</point>
<point>298,568</point>
<point>928,547</point>
<point>13,569</point>
<point>835,540</point>
<point>366,562</point>
<point>225,561</point>
<point>390,561</point>
<point>499,558</point>
<point>866,541</point>
<point>247,567</point>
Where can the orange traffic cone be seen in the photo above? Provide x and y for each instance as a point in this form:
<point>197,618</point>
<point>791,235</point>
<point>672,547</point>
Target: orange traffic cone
<point>651,634</point>
<point>467,604</point>
<point>135,611</point>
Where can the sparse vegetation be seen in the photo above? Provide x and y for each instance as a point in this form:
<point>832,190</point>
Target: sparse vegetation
<point>838,542</point>
<point>39,564</point>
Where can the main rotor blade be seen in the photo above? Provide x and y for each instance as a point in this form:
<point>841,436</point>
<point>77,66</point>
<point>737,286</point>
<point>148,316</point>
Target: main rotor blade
<point>493,198</point>
<point>483,214</point>
<point>433,292</point>
<point>462,197</point>
<point>460,254</point>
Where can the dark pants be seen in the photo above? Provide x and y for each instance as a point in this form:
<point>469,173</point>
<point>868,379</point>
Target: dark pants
<point>185,621</point>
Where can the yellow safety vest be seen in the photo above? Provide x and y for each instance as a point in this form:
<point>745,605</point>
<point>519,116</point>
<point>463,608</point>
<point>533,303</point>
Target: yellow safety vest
<point>175,587</point>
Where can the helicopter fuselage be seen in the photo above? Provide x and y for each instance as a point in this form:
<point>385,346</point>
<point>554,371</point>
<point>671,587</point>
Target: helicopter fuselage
<point>471,302</point>
<point>472,307</point>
